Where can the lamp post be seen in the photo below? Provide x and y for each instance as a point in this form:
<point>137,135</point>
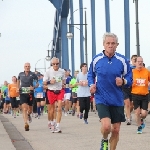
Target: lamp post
<point>44,64</point>
<point>70,35</point>
<point>137,27</point>
<point>47,58</point>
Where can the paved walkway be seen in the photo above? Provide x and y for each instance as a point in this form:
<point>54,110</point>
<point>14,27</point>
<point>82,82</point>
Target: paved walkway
<point>75,135</point>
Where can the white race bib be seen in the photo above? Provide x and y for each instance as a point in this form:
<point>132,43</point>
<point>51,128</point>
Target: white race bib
<point>25,90</point>
<point>17,98</point>
<point>140,82</point>
<point>39,95</point>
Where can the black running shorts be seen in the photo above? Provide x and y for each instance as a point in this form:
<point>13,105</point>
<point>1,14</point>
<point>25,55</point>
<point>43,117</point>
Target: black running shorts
<point>115,113</point>
<point>26,99</point>
<point>39,99</point>
<point>127,93</point>
<point>140,101</point>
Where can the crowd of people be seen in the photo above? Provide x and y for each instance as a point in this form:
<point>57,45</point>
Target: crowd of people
<point>112,86</point>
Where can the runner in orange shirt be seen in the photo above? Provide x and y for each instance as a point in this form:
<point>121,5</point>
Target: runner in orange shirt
<point>13,95</point>
<point>141,79</point>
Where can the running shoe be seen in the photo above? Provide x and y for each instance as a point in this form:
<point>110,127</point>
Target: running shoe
<point>29,118</point>
<point>70,111</point>
<point>38,117</point>
<point>57,130</point>
<point>104,145</point>
<point>49,125</point>
<point>143,125</point>
<point>41,113</point>
<point>45,112</point>
<point>130,117</point>
<point>73,112</point>
<point>81,116</point>
<point>139,130</point>
<point>26,127</point>
<point>85,121</point>
<point>128,122</point>
<point>52,128</point>
<point>66,114</point>
<point>17,113</point>
<point>14,115</point>
<point>35,115</point>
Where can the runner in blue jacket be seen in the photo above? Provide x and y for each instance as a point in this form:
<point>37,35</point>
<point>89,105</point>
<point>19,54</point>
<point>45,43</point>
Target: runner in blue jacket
<point>111,70</point>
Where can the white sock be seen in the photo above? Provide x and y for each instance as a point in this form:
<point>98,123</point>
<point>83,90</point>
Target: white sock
<point>57,124</point>
<point>52,123</point>
<point>105,139</point>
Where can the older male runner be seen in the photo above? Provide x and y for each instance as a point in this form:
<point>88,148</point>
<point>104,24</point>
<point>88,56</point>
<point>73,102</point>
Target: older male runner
<point>25,87</point>
<point>112,70</point>
<point>141,82</point>
<point>55,79</point>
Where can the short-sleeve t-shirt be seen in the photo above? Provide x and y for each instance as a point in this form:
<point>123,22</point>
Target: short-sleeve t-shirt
<point>83,91</point>
<point>12,88</point>
<point>67,89</point>
<point>39,89</point>
<point>58,75</point>
<point>3,89</point>
<point>72,82</point>
<point>6,94</point>
<point>27,80</point>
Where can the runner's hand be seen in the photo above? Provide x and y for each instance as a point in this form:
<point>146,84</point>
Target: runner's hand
<point>84,83</point>
<point>93,88</point>
<point>119,81</point>
<point>31,88</point>
<point>52,81</point>
<point>44,82</point>
<point>63,85</point>
<point>17,90</point>
<point>80,83</point>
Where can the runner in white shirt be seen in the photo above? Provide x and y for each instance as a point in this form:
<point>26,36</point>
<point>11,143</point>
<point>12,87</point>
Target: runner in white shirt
<point>55,79</point>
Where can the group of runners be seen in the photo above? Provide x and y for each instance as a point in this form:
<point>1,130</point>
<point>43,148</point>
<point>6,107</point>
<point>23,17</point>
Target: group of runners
<point>116,86</point>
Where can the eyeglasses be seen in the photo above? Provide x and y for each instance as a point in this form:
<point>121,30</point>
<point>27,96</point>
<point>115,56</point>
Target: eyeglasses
<point>27,66</point>
<point>55,64</point>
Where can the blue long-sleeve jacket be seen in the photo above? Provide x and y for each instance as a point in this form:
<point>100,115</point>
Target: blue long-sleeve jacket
<point>105,70</point>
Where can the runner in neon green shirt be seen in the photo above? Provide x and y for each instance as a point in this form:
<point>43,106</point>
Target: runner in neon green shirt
<point>74,86</point>
<point>3,88</point>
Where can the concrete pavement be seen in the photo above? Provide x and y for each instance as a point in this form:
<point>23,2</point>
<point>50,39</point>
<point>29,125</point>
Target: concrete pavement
<point>76,135</point>
<point>5,141</point>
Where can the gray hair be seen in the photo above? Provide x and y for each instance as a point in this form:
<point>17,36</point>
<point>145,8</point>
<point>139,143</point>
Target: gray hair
<point>54,58</point>
<point>108,34</point>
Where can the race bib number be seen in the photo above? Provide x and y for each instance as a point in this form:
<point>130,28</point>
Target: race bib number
<point>58,79</point>
<point>17,98</point>
<point>25,90</point>
<point>140,82</point>
<point>39,95</point>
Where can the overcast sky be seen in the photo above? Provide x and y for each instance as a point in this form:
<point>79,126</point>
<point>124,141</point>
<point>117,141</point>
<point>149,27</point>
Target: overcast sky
<point>26,28</point>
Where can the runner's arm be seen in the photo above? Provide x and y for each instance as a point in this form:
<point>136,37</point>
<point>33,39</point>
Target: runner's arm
<point>91,75</point>
<point>46,78</point>
<point>127,81</point>
<point>8,90</point>
<point>149,76</point>
<point>18,83</point>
